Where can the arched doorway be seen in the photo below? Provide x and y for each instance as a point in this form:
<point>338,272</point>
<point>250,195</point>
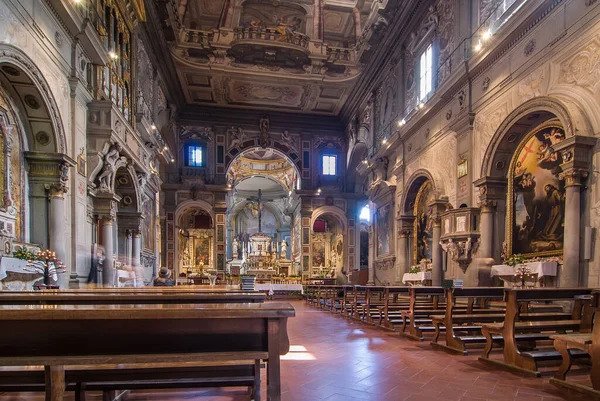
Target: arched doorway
<point>262,212</point>
<point>328,243</point>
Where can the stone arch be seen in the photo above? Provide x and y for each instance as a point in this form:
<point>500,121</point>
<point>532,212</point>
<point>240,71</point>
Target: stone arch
<point>355,158</point>
<point>332,210</point>
<point>285,150</point>
<point>509,134</point>
<point>232,181</point>
<point>416,180</point>
<point>36,100</point>
<point>190,204</point>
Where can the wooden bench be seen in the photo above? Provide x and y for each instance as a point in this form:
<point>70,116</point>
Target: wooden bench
<point>588,341</point>
<point>171,375</point>
<point>396,300</point>
<point>526,361</point>
<point>416,317</point>
<point>65,335</point>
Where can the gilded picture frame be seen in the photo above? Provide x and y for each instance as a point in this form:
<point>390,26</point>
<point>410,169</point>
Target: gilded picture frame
<point>462,169</point>
<point>542,137</point>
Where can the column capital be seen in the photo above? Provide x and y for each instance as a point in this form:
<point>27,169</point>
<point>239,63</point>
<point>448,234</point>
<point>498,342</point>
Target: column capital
<point>491,190</point>
<point>404,233</point>
<point>488,205</point>
<point>576,152</point>
<point>573,177</point>
<point>56,191</point>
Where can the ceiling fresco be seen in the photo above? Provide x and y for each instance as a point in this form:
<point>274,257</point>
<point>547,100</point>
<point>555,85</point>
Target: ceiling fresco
<point>298,56</point>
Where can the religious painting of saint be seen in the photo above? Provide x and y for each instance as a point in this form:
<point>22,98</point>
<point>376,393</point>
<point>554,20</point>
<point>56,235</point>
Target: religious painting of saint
<point>202,251</point>
<point>423,230</point>
<point>149,225</point>
<point>536,195</point>
<point>383,230</point>
<point>318,254</point>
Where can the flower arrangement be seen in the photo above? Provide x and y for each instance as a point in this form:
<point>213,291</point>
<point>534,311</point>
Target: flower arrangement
<point>514,260</point>
<point>415,269</point>
<point>23,254</point>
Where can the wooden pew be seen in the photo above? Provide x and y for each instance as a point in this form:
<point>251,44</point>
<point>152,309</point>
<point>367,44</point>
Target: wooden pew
<point>346,302</point>
<point>588,341</point>
<point>455,321</point>
<point>416,317</point>
<point>59,297</point>
<point>28,380</point>
<point>374,297</point>
<point>527,361</point>
<point>357,301</point>
<point>62,335</point>
<point>396,300</point>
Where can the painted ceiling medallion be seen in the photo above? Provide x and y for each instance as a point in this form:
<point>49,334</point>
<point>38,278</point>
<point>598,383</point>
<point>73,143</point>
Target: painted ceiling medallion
<point>32,102</point>
<point>43,138</point>
<point>11,71</point>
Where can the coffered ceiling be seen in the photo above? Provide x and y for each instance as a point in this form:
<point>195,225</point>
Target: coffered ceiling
<point>291,56</point>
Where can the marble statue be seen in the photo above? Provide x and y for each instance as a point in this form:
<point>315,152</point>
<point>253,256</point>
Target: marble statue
<point>284,250</point>
<point>234,249</point>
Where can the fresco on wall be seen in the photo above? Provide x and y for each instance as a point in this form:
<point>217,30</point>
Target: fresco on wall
<point>383,230</point>
<point>423,230</point>
<point>149,225</point>
<point>538,196</point>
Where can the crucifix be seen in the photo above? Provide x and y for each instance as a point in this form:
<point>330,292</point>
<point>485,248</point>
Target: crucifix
<point>259,212</point>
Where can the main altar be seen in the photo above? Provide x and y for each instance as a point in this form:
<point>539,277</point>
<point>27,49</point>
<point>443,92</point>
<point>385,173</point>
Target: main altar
<point>260,254</point>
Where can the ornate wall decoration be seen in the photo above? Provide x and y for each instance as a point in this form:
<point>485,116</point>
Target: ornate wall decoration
<point>584,68</point>
<point>385,264</point>
<point>529,48</point>
<point>445,36</point>
<point>486,8</point>
<point>102,177</point>
<point>530,87</point>
<point>195,132</point>
<point>484,128</point>
<point>536,194</point>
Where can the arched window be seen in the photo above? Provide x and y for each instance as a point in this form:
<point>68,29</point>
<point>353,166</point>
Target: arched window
<point>365,214</point>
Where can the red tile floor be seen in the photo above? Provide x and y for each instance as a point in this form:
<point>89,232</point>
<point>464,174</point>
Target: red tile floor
<point>336,360</point>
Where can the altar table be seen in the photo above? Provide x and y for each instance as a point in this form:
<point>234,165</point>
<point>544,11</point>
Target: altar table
<point>14,276</point>
<point>273,288</point>
<point>419,278</point>
<point>541,269</point>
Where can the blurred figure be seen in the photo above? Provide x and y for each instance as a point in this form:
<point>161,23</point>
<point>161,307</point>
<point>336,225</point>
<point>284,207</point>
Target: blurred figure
<point>164,278</point>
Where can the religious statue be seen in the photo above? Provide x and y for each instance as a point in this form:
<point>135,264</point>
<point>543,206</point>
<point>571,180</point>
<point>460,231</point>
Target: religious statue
<point>110,164</point>
<point>284,249</point>
<point>234,248</point>
<point>264,126</point>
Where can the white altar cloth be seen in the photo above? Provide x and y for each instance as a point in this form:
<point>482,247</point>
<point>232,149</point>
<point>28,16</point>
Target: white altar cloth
<point>8,264</point>
<point>278,287</point>
<point>540,268</point>
<point>21,279</point>
<point>416,277</point>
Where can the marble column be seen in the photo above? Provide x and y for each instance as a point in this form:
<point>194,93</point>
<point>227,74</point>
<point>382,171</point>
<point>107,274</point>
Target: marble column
<point>402,265</point>
<point>128,246</point>
<point>371,280</point>
<point>486,228</point>
<point>137,249</point>
<point>570,272</point>
<point>437,272</point>
<point>57,238</point>
<point>357,24</point>
<point>108,267</point>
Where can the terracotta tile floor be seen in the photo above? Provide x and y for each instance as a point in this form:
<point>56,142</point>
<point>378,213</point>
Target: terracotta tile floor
<point>336,360</point>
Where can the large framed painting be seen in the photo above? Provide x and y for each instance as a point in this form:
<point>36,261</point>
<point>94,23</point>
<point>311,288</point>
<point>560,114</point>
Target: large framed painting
<point>536,196</point>
<point>384,228</point>
<point>423,226</point>
<point>149,225</point>
<point>318,253</point>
